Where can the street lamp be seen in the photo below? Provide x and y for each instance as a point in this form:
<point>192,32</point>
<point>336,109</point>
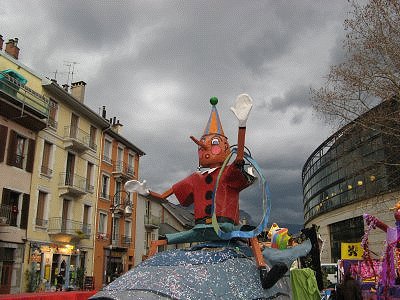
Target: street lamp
<point>121,205</point>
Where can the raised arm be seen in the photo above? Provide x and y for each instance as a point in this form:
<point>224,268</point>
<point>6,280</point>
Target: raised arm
<point>241,109</point>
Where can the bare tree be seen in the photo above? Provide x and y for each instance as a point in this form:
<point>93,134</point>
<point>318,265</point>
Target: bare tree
<point>369,76</point>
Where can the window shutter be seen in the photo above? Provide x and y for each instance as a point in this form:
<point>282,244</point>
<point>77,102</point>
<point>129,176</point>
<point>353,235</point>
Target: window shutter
<point>31,156</point>
<point>24,211</point>
<point>12,148</point>
<point>3,141</point>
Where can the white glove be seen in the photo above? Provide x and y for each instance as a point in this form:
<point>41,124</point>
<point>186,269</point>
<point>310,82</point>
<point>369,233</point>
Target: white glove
<point>137,186</point>
<point>242,108</point>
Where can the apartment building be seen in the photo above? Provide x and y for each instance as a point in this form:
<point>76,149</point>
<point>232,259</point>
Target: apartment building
<point>49,174</point>
<point>23,113</point>
<point>64,188</point>
<point>116,210</point>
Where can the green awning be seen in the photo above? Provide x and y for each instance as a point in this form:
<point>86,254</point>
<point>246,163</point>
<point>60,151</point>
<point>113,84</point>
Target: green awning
<point>21,79</point>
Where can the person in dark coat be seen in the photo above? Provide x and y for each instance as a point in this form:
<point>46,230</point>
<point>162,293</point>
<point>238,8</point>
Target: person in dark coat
<point>350,289</point>
<point>60,282</point>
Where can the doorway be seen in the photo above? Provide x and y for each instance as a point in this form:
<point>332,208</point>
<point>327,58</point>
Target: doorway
<point>5,280</point>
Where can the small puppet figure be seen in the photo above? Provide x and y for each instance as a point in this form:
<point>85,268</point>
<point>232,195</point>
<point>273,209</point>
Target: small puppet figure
<point>198,188</point>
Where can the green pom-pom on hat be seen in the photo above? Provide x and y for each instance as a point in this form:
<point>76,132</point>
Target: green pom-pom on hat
<point>213,100</point>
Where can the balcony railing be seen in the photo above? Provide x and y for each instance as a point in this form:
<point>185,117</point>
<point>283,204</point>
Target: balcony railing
<point>5,214</point>
<point>74,183</point>
<point>41,222</point>
<point>103,195</point>
<point>107,159</point>
<point>19,161</point>
<point>126,240</point>
<point>44,170</point>
<point>89,188</point>
<point>52,123</point>
<point>123,241</point>
<point>78,139</point>
<point>70,227</point>
<point>122,169</point>
<point>26,97</point>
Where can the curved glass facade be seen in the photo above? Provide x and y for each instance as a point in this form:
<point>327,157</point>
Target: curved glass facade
<point>349,166</point>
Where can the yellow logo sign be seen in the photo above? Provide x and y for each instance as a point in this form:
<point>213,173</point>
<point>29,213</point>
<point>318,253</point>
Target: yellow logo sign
<point>351,251</point>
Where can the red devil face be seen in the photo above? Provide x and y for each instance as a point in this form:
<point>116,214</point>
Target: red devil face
<point>213,149</point>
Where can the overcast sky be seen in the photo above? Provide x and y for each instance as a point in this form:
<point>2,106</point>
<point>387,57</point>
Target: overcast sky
<point>155,64</point>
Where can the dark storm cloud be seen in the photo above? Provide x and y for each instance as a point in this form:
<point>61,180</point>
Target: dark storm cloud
<point>155,64</point>
<point>298,97</point>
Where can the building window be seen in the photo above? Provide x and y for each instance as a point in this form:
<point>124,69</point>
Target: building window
<point>53,108</point>
<point>107,151</point>
<point>117,197</point>
<point>120,154</point>
<point>73,132</point>
<point>86,219</point>
<point>15,208</point>
<point>17,150</point>
<point>128,232</point>
<point>102,223</point>
<point>46,159</point>
<point>105,187</point>
<point>115,233</point>
<point>65,221</point>
<point>147,241</point>
<point>92,138</point>
<point>347,231</point>
<point>40,212</point>
<point>89,177</point>
<point>131,164</point>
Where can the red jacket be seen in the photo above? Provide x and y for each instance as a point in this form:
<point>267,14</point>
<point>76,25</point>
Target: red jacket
<point>198,189</point>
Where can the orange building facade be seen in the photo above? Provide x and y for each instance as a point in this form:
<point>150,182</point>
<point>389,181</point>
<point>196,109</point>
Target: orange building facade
<point>114,246</point>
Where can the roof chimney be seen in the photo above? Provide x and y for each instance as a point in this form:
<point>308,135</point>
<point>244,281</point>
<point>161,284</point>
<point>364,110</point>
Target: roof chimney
<point>78,90</point>
<point>11,48</point>
<point>1,42</point>
<point>116,126</point>
<point>104,112</point>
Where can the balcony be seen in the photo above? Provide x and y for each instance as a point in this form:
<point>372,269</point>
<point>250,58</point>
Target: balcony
<point>72,185</point>
<point>52,123</point>
<point>122,241</point>
<point>44,170</point>
<point>78,140</point>
<point>122,170</point>
<point>41,222</point>
<point>152,222</point>
<point>66,230</point>
<point>21,103</point>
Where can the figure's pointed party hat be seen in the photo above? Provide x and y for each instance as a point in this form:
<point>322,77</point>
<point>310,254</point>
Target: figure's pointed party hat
<point>214,125</point>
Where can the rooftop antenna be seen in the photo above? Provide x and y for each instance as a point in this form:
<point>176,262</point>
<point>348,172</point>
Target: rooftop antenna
<point>55,74</point>
<point>71,69</point>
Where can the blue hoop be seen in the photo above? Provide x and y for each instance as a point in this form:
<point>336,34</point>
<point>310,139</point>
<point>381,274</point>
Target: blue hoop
<point>266,204</point>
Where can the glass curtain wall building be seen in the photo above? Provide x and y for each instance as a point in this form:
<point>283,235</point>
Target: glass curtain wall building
<point>354,164</point>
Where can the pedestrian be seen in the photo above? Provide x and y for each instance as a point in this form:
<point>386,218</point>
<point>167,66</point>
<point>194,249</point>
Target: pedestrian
<point>60,282</point>
<point>350,289</point>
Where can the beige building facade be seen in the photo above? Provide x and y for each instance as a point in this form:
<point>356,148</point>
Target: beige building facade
<point>64,188</point>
